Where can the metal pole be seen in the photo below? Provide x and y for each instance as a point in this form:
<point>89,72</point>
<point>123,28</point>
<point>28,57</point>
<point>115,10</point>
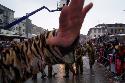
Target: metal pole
<point>28,15</point>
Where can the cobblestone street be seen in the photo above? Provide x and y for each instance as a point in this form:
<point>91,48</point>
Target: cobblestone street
<point>98,75</point>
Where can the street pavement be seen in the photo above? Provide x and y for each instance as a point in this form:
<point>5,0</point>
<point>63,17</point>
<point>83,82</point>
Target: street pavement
<point>98,74</point>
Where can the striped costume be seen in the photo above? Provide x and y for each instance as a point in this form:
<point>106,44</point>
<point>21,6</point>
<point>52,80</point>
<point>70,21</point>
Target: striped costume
<point>22,60</point>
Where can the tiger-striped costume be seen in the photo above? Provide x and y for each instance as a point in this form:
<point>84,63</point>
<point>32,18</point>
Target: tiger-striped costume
<point>22,60</point>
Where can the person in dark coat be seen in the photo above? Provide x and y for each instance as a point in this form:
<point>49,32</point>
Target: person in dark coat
<point>91,53</point>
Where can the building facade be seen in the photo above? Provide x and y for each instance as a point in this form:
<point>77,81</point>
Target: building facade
<point>6,16</point>
<point>106,29</point>
<point>114,29</point>
<point>83,39</point>
<point>23,28</point>
<point>37,30</point>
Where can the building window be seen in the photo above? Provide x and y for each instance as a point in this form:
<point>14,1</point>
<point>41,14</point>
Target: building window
<point>99,31</point>
<point>106,31</point>
<point>16,28</point>
<point>103,30</point>
<point>121,30</point>
<point>98,35</point>
<point>94,35</point>
<point>9,13</point>
<point>115,31</point>
<point>23,30</point>
<point>0,21</point>
<point>111,30</point>
<point>94,30</point>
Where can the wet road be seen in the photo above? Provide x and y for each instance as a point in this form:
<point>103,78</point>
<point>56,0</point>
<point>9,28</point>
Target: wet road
<point>97,75</point>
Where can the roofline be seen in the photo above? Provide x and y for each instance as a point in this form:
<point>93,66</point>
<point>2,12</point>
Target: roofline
<point>7,8</point>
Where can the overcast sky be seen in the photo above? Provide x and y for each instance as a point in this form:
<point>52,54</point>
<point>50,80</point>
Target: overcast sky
<point>103,11</point>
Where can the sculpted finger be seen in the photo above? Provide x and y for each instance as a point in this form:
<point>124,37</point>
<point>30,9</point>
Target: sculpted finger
<point>76,5</point>
<point>86,9</point>
<point>63,19</point>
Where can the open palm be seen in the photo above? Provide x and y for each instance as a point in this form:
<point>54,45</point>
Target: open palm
<point>70,22</point>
